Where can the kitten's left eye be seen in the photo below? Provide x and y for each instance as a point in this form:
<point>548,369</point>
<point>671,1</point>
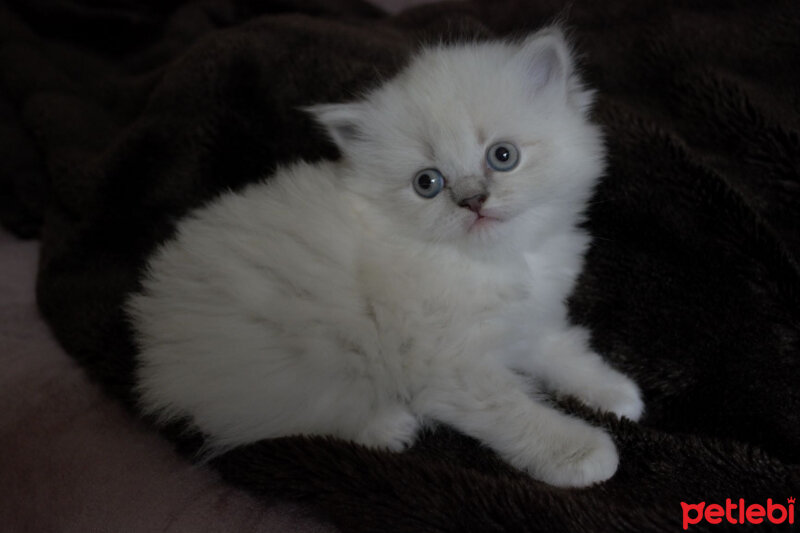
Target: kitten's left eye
<point>428,183</point>
<point>502,156</point>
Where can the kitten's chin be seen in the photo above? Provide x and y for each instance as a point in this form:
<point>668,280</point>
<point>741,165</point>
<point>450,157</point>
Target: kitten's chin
<point>484,224</point>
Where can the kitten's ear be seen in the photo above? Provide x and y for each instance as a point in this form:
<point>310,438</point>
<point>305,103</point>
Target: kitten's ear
<point>343,122</point>
<point>546,59</point>
<point>547,62</point>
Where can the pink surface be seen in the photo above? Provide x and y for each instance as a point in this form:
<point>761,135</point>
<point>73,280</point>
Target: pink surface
<point>73,460</point>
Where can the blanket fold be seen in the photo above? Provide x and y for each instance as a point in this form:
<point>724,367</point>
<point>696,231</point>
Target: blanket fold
<point>116,121</point>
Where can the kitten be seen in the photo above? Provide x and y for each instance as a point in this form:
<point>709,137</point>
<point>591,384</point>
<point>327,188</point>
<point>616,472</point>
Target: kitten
<point>421,277</point>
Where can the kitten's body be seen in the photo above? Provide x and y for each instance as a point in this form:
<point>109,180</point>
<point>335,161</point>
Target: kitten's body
<point>333,299</point>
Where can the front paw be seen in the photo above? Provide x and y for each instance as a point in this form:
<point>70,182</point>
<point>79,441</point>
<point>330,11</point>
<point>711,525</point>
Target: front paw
<point>583,458</point>
<point>395,430</point>
<point>618,394</point>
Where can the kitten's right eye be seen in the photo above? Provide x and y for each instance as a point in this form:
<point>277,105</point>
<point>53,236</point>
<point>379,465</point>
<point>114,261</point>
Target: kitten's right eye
<point>428,183</point>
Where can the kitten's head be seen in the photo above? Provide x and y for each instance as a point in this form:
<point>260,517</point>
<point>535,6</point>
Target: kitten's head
<point>472,141</point>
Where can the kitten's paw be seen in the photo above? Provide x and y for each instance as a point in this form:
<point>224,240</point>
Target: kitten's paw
<point>583,460</point>
<point>618,395</point>
<point>394,429</point>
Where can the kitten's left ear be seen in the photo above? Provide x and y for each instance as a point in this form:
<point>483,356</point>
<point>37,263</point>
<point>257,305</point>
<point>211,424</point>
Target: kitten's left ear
<point>548,66</point>
<point>343,122</point>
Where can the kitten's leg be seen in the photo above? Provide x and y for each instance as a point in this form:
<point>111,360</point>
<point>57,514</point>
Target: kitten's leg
<point>393,427</point>
<point>488,403</point>
<point>565,363</point>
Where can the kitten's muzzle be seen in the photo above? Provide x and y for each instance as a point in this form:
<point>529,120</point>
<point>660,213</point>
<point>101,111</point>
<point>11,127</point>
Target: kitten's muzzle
<point>469,192</point>
<point>474,203</point>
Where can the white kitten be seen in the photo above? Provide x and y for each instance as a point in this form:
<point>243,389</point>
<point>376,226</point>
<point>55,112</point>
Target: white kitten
<point>418,278</point>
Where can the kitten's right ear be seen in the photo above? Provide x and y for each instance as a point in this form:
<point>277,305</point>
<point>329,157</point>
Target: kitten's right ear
<point>343,122</point>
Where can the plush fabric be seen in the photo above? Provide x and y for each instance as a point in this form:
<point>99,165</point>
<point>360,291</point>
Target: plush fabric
<point>124,118</point>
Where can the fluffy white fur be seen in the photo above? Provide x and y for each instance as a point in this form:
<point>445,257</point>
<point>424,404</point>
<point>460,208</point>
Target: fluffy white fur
<point>333,299</point>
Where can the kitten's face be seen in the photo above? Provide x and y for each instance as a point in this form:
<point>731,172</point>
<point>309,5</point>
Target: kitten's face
<point>469,141</point>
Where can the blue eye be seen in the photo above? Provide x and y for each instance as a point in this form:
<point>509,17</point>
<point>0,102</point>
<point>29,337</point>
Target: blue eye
<point>502,156</point>
<point>428,183</point>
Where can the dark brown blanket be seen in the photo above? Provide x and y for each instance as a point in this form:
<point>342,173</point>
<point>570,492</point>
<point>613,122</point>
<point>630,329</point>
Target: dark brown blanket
<point>117,118</point>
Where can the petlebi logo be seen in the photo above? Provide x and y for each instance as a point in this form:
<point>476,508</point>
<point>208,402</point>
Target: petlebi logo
<point>738,512</point>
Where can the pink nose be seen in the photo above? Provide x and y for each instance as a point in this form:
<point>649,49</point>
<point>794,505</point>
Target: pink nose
<point>473,203</point>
